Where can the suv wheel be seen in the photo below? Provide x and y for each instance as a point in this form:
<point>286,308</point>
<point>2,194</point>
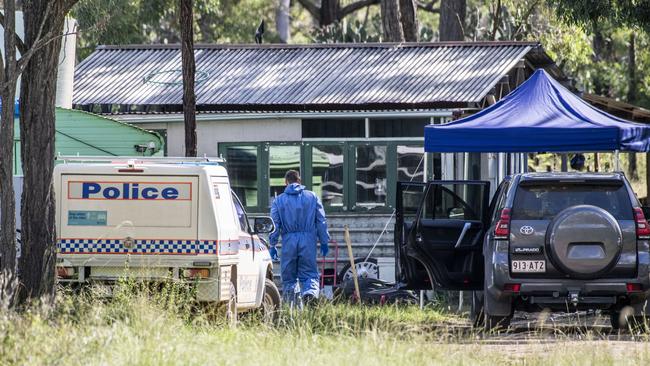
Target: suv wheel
<point>493,322</point>
<point>476,315</point>
<point>496,322</point>
<point>622,319</point>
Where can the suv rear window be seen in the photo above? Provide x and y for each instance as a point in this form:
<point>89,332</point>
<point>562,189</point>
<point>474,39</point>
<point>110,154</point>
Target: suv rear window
<point>545,200</point>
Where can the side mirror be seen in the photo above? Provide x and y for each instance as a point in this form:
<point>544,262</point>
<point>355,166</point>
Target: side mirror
<point>263,225</point>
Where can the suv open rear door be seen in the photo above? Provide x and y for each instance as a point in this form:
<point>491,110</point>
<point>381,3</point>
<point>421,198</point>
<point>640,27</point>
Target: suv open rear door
<point>441,240</point>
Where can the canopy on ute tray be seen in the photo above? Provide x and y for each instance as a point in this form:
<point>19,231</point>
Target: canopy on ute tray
<point>540,115</point>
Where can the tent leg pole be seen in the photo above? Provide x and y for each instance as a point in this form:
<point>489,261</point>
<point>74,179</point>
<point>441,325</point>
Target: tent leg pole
<point>596,162</point>
<point>564,167</point>
<point>618,161</point>
<point>647,178</point>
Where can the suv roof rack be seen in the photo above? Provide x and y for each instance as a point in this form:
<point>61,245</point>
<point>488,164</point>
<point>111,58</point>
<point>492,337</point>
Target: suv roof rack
<point>137,159</point>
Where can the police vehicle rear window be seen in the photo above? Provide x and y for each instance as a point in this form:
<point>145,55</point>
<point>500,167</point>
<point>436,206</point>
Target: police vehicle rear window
<point>544,201</point>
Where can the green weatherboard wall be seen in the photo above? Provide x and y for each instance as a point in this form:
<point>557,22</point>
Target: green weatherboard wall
<point>82,133</point>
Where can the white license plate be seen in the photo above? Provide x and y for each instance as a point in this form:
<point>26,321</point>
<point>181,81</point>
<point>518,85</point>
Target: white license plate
<point>528,266</point>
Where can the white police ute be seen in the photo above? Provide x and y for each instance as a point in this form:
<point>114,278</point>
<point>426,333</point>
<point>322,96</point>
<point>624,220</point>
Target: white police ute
<point>161,219</point>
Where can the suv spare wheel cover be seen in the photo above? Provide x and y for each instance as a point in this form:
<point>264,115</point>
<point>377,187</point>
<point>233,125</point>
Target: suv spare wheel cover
<point>584,241</point>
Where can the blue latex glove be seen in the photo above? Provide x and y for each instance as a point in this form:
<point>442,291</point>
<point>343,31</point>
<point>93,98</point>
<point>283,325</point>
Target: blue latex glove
<point>324,249</point>
<point>274,253</point>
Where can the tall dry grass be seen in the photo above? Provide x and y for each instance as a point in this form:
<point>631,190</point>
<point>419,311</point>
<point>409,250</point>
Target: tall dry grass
<point>142,325</point>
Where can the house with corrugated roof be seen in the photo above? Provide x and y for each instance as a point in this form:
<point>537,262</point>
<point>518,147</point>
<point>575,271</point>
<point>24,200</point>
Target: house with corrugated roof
<point>350,117</point>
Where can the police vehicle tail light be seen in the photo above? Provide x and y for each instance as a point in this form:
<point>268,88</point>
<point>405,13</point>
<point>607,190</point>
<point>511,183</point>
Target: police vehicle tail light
<point>196,273</point>
<point>642,228</point>
<point>502,230</point>
<point>65,272</point>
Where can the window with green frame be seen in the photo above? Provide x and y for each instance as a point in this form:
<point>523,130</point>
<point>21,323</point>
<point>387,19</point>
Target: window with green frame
<point>358,176</point>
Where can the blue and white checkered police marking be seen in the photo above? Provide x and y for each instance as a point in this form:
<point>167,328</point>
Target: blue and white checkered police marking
<point>145,246</point>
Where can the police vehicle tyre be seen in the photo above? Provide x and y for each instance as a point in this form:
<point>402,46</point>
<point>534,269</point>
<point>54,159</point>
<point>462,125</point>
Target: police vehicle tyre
<point>476,314</point>
<point>271,301</point>
<point>568,227</point>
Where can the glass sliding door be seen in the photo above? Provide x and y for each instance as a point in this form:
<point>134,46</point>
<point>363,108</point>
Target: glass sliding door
<point>327,173</point>
<point>281,159</point>
<point>370,175</point>
<point>242,163</point>
<point>410,163</point>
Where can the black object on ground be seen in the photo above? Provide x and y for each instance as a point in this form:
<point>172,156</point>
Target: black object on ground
<point>376,292</point>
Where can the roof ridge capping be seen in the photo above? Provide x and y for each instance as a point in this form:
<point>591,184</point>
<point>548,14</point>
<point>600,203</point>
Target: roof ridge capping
<point>175,46</point>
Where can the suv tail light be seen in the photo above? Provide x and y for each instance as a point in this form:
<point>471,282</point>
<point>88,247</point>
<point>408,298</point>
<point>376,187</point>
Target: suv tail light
<point>642,228</point>
<point>502,230</point>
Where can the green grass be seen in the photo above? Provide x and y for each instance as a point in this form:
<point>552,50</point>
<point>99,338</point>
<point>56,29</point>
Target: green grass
<point>144,327</point>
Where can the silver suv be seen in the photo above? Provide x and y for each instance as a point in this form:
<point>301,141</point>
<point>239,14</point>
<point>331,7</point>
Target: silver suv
<point>556,241</point>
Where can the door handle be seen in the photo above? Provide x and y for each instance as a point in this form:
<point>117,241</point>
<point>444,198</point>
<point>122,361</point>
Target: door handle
<point>462,234</point>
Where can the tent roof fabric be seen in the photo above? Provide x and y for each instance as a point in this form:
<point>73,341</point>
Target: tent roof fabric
<point>371,76</point>
<point>539,116</point>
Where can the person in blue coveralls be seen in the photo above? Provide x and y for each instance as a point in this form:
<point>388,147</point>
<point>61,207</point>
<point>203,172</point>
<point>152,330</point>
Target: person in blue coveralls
<point>300,220</point>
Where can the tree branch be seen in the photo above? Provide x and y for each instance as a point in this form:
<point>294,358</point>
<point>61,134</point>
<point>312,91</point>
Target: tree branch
<point>495,26</point>
<point>22,48</point>
<point>351,8</point>
<point>521,22</point>
<point>312,8</point>
<point>428,6</point>
<point>50,37</point>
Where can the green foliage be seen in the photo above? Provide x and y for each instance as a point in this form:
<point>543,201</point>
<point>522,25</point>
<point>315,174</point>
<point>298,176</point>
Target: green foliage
<point>628,13</point>
<point>105,22</point>
<point>354,30</point>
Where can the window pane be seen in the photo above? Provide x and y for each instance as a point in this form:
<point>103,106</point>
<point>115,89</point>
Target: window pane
<point>281,159</point>
<point>545,201</point>
<point>410,163</point>
<point>242,170</point>
<point>408,127</point>
<point>460,201</point>
<point>329,128</point>
<point>371,175</point>
<point>327,180</point>
<point>412,195</point>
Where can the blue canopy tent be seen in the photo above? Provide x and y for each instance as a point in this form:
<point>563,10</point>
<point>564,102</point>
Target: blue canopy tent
<point>539,116</point>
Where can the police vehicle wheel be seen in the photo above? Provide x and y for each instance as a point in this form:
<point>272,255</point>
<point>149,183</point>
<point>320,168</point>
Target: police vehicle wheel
<point>271,301</point>
<point>231,306</point>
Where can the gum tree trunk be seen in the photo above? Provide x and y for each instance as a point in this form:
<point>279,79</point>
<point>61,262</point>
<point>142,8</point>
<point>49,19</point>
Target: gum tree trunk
<point>189,69</point>
<point>37,95</point>
<point>452,20</point>
<point>409,20</point>
<point>8,96</point>
<point>390,20</point>
<point>283,20</point>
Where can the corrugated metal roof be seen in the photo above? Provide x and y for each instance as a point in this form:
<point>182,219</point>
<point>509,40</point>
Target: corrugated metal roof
<point>302,77</point>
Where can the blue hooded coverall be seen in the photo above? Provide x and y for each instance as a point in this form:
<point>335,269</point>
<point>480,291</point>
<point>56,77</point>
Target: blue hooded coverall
<point>300,219</point>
